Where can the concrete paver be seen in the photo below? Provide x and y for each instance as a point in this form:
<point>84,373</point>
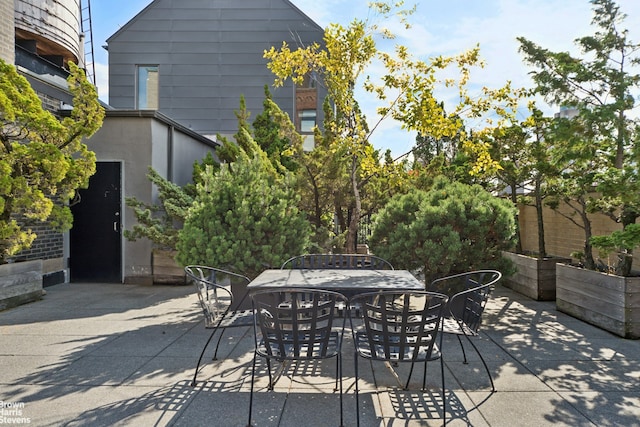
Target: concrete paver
<point>107,354</point>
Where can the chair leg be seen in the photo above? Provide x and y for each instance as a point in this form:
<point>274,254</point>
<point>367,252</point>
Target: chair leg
<point>253,374</point>
<point>356,387</point>
<point>215,353</point>
<point>444,397</point>
<point>335,388</point>
<point>339,357</point>
<point>195,375</point>
<point>424,377</point>
<point>406,386</point>
<point>464,354</point>
<point>271,384</point>
<point>486,368</point>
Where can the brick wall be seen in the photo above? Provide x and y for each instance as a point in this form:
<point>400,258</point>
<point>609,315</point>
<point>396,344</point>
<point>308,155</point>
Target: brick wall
<point>48,244</point>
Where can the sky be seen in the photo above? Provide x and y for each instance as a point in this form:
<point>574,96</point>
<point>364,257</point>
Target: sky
<point>438,28</point>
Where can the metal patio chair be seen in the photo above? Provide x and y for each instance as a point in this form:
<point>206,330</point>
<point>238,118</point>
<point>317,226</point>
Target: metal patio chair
<point>395,327</point>
<point>337,261</point>
<point>468,294</point>
<point>216,289</point>
<point>296,324</point>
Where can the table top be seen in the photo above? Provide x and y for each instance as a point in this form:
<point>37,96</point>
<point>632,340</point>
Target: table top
<point>340,280</point>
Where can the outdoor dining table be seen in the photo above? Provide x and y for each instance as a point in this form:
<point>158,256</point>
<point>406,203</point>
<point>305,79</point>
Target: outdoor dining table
<point>349,282</point>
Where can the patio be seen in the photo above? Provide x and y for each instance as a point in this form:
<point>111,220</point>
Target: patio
<point>108,354</point>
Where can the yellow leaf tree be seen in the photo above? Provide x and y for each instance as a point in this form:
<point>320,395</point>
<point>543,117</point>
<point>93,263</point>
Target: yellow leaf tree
<point>407,91</point>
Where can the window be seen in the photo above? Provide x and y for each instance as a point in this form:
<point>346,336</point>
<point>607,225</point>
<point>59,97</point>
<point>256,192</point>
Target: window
<point>309,81</point>
<point>147,98</point>
<point>307,120</point>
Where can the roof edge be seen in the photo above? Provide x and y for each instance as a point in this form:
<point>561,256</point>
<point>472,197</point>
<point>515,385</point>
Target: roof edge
<point>293,6</point>
<point>153,114</point>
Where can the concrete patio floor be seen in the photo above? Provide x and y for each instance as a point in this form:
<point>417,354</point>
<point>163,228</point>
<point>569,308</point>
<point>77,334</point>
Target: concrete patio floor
<point>108,354</point>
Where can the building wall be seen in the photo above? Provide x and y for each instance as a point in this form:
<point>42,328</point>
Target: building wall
<point>140,139</point>
<point>33,33</point>
<point>562,237</point>
<point>208,55</point>
<point>6,31</point>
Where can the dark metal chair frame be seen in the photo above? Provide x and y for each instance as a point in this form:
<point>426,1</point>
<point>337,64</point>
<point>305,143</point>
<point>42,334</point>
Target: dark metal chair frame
<point>398,326</point>
<point>468,295</point>
<point>217,300</point>
<point>337,261</point>
<point>296,324</point>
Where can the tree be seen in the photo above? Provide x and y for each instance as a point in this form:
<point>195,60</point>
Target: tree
<point>524,152</point>
<point>162,223</point>
<point>267,133</point>
<point>43,160</point>
<point>407,90</point>
<point>347,53</point>
<point>510,145</point>
<point>244,218</point>
<point>452,228</point>
<point>602,155</point>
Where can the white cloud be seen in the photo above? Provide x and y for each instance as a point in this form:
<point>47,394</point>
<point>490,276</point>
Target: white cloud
<point>102,81</point>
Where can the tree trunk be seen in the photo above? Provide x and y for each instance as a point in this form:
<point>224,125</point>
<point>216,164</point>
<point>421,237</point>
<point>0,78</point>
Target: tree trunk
<point>350,244</point>
<point>542,250</point>
<point>514,199</point>
<point>317,218</point>
<point>589,262</point>
<point>625,257</point>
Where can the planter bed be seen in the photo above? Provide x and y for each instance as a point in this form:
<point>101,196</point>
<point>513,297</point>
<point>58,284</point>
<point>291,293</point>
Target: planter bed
<point>166,270</point>
<point>534,277</point>
<point>20,283</point>
<point>605,300</point>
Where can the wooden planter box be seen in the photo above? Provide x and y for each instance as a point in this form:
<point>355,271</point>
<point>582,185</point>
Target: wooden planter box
<point>166,270</point>
<point>20,283</point>
<point>607,301</point>
<point>534,277</point>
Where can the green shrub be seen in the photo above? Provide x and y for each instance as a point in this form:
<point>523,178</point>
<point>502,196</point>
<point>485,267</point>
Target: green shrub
<point>452,228</point>
<point>244,218</point>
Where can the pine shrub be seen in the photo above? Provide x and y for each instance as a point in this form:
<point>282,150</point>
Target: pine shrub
<point>452,228</point>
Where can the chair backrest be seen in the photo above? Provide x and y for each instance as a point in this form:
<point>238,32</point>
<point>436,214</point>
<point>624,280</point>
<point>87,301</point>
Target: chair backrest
<point>468,294</point>
<point>297,323</point>
<point>215,288</point>
<point>337,261</point>
<point>397,326</point>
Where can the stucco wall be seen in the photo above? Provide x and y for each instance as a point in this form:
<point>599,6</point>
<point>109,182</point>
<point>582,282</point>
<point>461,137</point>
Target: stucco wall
<point>139,140</point>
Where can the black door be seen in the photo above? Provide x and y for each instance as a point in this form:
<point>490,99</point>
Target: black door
<point>95,239</point>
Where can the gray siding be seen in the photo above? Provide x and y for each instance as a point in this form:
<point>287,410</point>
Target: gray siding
<point>209,53</point>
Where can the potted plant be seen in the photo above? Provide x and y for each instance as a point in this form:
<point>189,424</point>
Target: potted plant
<point>596,150</point>
<point>42,163</point>
<point>617,305</point>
